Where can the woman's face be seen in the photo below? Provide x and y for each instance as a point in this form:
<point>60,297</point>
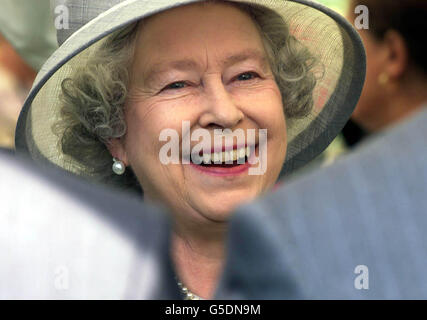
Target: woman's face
<point>372,101</point>
<point>205,65</point>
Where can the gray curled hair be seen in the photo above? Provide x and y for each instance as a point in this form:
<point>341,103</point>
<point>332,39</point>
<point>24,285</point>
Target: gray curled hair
<point>92,109</point>
<point>93,97</point>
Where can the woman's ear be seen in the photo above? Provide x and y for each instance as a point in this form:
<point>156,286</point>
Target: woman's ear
<point>117,150</point>
<point>397,54</point>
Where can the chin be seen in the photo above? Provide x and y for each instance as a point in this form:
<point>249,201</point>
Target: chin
<point>219,208</point>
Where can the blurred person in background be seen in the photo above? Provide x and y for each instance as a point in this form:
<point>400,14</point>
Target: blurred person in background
<point>396,78</point>
<point>351,134</point>
<point>27,39</point>
<point>16,78</point>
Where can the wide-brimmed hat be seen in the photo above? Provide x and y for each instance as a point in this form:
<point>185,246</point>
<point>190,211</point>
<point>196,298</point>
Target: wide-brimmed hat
<point>328,36</point>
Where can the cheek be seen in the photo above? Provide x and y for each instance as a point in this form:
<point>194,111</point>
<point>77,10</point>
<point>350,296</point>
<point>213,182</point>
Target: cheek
<point>142,133</point>
<point>146,120</point>
<point>165,112</point>
<point>371,93</point>
<point>266,109</point>
<point>373,59</point>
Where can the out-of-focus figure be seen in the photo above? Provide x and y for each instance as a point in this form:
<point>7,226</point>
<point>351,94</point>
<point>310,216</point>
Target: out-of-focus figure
<point>396,78</point>
<point>62,238</point>
<point>27,38</point>
<point>15,81</point>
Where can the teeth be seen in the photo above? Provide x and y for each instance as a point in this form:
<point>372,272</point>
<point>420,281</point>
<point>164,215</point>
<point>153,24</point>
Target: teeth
<point>226,156</point>
<point>242,152</point>
<point>231,155</point>
<point>207,158</point>
<point>234,152</point>
<point>217,156</point>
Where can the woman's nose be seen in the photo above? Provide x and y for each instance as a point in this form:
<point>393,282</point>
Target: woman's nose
<point>220,109</point>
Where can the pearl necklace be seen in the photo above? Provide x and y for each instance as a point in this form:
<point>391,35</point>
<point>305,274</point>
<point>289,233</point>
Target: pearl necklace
<point>188,295</point>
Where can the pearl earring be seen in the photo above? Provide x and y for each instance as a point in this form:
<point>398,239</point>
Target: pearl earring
<point>383,78</point>
<point>118,167</point>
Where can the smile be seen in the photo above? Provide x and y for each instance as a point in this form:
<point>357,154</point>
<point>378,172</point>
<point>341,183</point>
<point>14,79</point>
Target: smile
<point>218,158</point>
<point>234,156</point>
<point>224,163</point>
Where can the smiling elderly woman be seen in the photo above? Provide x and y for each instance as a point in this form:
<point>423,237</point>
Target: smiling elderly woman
<point>214,65</point>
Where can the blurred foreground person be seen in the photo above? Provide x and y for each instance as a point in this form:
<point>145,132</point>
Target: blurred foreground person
<point>355,230</point>
<point>61,238</point>
<point>396,78</point>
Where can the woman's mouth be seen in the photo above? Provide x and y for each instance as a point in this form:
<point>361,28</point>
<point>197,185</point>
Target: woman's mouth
<point>224,163</point>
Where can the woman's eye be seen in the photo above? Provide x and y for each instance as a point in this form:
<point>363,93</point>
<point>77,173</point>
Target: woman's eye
<point>247,76</point>
<point>175,85</point>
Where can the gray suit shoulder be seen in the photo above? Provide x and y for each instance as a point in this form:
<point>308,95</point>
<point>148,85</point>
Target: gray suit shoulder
<point>316,234</point>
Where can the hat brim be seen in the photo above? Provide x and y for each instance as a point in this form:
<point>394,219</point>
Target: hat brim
<point>324,32</point>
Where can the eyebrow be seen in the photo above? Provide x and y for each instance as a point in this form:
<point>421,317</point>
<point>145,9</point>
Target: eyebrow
<point>250,54</point>
<point>188,64</point>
